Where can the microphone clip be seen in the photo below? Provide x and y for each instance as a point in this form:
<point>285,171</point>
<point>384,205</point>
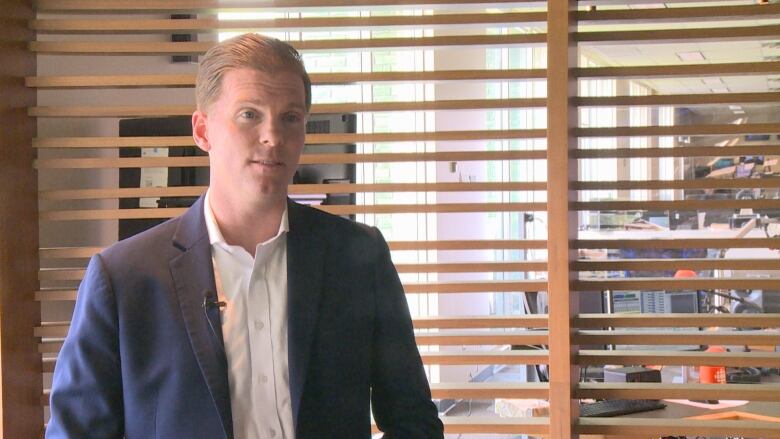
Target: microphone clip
<point>210,302</point>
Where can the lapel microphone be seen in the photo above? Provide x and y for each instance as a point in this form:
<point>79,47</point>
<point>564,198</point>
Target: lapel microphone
<point>209,301</point>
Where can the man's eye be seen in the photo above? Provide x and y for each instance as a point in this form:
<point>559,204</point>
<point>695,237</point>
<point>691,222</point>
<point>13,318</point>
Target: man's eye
<point>248,114</point>
<point>292,117</point>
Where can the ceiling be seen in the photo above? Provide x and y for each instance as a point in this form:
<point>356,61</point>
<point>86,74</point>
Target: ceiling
<point>742,51</point>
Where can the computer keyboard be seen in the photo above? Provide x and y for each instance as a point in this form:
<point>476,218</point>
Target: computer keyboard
<point>617,407</point>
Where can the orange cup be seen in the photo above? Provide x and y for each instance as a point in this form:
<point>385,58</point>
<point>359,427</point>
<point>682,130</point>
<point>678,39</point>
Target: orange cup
<point>713,374</point>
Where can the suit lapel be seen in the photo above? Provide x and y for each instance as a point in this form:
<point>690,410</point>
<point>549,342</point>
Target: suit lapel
<point>305,264</point>
<point>193,276</point>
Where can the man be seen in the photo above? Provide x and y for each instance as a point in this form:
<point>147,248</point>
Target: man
<point>249,316</point>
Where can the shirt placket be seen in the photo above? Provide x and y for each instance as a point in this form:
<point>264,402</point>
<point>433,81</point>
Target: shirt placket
<point>261,347</point>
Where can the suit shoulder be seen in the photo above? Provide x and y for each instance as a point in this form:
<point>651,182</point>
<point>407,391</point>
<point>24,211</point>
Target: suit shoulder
<point>148,243</point>
<point>336,226</point>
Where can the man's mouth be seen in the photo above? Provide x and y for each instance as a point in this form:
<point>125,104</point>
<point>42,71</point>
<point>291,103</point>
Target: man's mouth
<point>267,162</point>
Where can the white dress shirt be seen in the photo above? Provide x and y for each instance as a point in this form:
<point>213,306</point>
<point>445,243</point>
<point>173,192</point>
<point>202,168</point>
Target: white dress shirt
<point>254,328</point>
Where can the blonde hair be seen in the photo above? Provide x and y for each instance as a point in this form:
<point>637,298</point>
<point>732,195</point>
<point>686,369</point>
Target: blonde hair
<point>253,51</point>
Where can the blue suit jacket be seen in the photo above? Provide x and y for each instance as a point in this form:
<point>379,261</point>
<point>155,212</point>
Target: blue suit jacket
<point>141,360</point>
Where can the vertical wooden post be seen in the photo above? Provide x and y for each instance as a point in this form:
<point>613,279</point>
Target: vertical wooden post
<point>20,363</point>
<point>562,222</point>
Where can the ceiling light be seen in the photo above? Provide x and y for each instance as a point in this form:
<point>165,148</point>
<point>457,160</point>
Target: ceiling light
<point>735,107</point>
<point>719,90</point>
<point>739,111</point>
<point>691,56</point>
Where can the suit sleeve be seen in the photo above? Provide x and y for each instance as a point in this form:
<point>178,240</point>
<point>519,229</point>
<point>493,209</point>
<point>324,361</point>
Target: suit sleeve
<point>86,394</point>
<point>400,394</point>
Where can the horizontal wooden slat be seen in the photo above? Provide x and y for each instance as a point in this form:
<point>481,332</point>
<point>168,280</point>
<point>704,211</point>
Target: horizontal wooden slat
<point>493,337</point>
<point>476,244</point>
<point>67,252</point>
<point>678,14</point>
<point>110,214</point>
<point>648,427</point>
<point>409,288</point>
<point>53,295</point>
<point>297,189</point>
<point>489,390</point>
<point>458,337</point>
<point>52,329</point>
<point>184,110</point>
<point>661,283</point>
<point>49,347</point>
<point>752,392</point>
<point>618,101</point>
<point>203,161</point>
<point>677,320</point>
<point>678,243</point>
<point>679,130</point>
<point>710,99</point>
<point>676,205</point>
<point>49,274</point>
<point>312,139</point>
<point>675,264</point>
<point>486,357</point>
<point>663,71</point>
<point>708,183</point>
<point>492,321</point>
<point>538,356</point>
<point>183,80</point>
<point>199,48</point>
<point>113,214</point>
<point>679,358</point>
<point>115,6</point>
<point>76,274</point>
<point>679,151</point>
<point>476,286</point>
<point>461,391</point>
<point>95,194</point>
<point>676,337</point>
<point>682,35</point>
<point>677,70</point>
<point>208,25</point>
<point>526,244</point>
<point>495,425</point>
<point>473,267</point>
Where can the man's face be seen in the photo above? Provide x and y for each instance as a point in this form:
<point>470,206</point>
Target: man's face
<point>254,134</point>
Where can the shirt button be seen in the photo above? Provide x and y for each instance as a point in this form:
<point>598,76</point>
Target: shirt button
<point>273,433</point>
<point>264,379</point>
<point>259,325</point>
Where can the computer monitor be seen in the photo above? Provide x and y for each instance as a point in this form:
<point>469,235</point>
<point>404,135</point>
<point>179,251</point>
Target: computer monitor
<point>655,302</point>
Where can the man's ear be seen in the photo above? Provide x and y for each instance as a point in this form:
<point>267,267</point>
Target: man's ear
<point>199,131</point>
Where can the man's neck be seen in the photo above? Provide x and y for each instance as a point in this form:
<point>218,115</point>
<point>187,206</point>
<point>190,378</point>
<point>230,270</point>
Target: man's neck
<point>247,225</point>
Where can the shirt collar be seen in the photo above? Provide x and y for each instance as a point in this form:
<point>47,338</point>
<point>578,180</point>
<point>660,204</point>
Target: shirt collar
<point>215,235</point>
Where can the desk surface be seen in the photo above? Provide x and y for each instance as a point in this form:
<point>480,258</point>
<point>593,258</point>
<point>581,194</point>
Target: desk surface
<point>676,410</point>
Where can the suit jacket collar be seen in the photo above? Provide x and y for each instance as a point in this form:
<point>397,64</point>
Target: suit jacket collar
<point>193,276</point>
<point>306,248</point>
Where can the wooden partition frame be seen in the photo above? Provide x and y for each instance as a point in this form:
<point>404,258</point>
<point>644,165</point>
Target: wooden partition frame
<point>562,225</point>
<point>20,363</point>
<point>27,344</point>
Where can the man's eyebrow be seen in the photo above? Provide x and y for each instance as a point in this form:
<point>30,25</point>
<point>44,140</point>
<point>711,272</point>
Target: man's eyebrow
<point>258,102</point>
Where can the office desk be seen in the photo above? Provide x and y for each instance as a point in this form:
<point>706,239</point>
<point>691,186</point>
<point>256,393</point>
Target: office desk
<point>754,410</point>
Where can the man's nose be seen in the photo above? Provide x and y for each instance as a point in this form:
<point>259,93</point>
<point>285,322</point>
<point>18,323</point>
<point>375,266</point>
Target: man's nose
<point>271,133</point>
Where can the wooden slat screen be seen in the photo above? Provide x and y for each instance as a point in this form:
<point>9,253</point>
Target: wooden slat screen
<point>657,202</point>
<point>498,193</point>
